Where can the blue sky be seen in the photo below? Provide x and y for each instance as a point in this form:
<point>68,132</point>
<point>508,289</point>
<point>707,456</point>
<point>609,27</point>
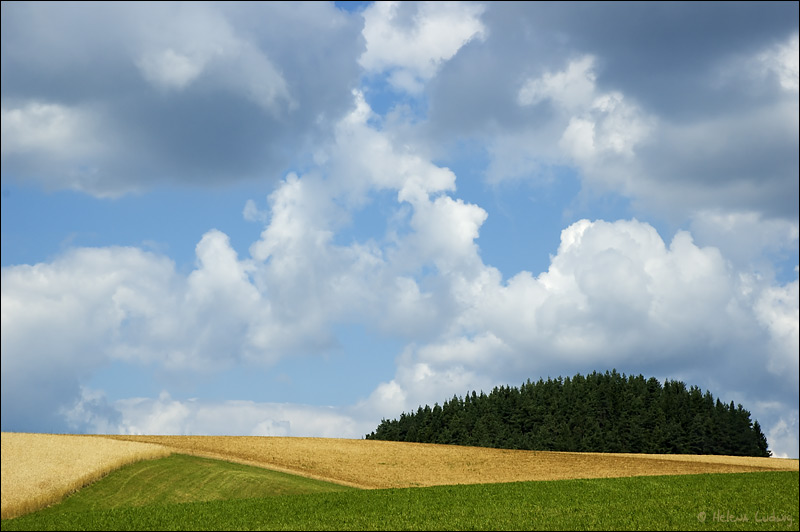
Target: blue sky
<point>298,219</point>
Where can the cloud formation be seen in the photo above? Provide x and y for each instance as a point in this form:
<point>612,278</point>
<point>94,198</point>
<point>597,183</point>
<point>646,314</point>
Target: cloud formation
<point>119,101</point>
<point>698,132</point>
<point>656,112</point>
<point>615,294</point>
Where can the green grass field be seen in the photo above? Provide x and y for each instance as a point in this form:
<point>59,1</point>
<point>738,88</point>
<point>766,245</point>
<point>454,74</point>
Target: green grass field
<point>187,493</point>
<point>181,478</point>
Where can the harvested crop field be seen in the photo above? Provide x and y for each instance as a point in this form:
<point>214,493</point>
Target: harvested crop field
<point>39,469</point>
<point>384,464</point>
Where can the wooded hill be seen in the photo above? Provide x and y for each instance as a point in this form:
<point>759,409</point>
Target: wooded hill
<point>597,413</point>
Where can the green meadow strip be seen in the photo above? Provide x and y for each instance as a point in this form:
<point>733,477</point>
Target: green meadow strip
<point>741,501</point>
<point>181,478</point>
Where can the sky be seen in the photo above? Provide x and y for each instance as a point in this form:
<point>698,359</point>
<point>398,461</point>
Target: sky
<point>299,219</point>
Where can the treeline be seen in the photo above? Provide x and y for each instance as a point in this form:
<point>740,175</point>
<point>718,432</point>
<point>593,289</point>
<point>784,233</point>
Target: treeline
<point>598,413</point>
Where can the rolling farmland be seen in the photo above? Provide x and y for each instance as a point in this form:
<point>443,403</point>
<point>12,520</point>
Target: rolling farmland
<point>40,469</point>
<point>382,464</point>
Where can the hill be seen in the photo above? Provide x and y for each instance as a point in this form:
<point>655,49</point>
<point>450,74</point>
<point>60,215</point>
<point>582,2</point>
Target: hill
<point>598,413</point>
<point>31,463</point>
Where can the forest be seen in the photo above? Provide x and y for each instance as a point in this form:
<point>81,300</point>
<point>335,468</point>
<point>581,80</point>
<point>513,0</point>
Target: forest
<point>601,412</point>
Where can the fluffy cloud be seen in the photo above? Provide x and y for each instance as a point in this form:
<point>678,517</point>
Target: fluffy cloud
<point>571,88</point>
<point>48,127</point>
<point>363,159</point>
<point>93,414</point>
<point>782,61</point>
<point>641,305</point>
<point>613,292</point>
<point>580,126</point>
<point>777,310</point>
<point>125,304</point>
<point>745,238</point>
<point>410,41</point>
<point>81,300</point>
<point>783,435</point>
<point>165,415</point>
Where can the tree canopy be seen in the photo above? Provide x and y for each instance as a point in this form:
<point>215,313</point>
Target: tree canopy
<point>601,412</point>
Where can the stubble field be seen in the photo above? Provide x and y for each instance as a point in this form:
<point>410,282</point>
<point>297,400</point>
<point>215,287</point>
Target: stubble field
<point>375,464</point>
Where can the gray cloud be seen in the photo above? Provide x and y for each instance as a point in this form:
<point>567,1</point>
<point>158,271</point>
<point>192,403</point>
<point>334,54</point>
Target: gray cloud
<point>709,94</point>
<point>743,161</point>
<point>661,53</point>
<point>172,93</point>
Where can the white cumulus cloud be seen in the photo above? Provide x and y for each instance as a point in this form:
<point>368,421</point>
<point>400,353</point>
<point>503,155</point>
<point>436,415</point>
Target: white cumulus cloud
<point>410,41</point>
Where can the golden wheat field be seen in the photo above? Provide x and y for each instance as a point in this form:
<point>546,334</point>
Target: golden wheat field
<point>40,467</point>
<point>385,464</point>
